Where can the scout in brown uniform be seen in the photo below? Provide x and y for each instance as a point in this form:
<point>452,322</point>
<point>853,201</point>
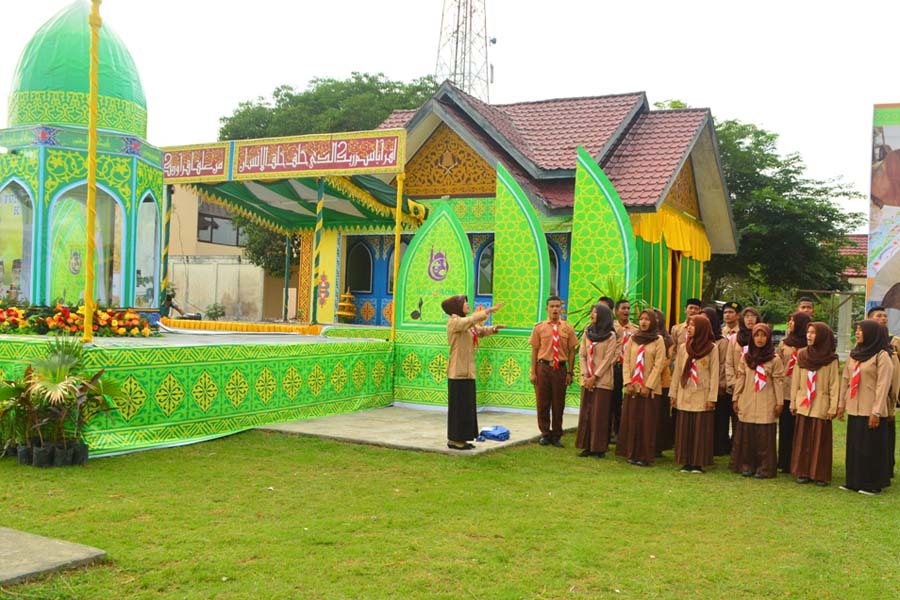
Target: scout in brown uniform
<point>805,305</point>
<point>815,391</point>
<point>553,344</point>
<point>865,385</point>
<point>665,426</point>
<point>788,350</point>
<point>462,334</point>
<point>624,329</point>
<point>726,418</point>
<point>695,388</point>
<point>731,315</point>
<point>597,354</point>
<point>645,356</point>
<point>878,313</point>
<point>758,402</point>
<point>679,330</point>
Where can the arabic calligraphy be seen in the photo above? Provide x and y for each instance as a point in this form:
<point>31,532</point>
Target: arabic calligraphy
<point>193,164</point>
<point>316,155</point>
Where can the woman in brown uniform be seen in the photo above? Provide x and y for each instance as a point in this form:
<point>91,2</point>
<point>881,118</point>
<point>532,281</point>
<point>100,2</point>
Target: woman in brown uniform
<point>865,385</point>
<point>758,402</point>
<point>725,417</point>
<point>463,333</point>
<point>815,391</point>
<point>695,387</point>
<point>597,353</point>
<point>788,350</point>
<point>645,356</point>
<point>665,427</point>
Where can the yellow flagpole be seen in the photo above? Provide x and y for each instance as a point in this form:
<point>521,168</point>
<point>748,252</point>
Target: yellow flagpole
<point>398,215</point>
<point>95,24</point>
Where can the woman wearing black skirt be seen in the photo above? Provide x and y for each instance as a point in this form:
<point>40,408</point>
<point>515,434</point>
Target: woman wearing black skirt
<point>865,386</point>
<point>463,333</point>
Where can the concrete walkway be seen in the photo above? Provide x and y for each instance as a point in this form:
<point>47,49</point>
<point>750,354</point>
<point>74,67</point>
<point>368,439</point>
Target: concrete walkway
<point>23,555</point>
<point>423,429</point>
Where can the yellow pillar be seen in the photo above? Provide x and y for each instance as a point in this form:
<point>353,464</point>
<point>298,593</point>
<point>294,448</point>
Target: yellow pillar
<point>398,215</point>
<point>95,23</point>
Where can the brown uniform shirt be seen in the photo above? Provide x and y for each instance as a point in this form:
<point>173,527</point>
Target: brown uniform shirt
<point>654,361</point>
<point>733,357</point>
<point>679,334</point>
<point>828,391</point>
<point>692,397</point>
<point>875,379</point>
<point>542,339</point>
<point>621,331</point>
<point>604,356</point>
<point>461,364</point>
<point>786,352</point>
<point>759,406</point>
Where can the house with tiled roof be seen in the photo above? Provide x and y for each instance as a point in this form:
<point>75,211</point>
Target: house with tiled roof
<point>856,247</point>
<point>664,165</point>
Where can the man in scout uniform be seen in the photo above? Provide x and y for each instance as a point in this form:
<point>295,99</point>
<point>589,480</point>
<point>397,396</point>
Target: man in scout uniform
<point>731,313</point>
<point>679,330</point>
<point>553,344</point>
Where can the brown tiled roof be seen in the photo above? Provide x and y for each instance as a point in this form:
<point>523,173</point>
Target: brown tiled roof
<point>398,119</point>
<point>857,245</point>
<point>649,155</point>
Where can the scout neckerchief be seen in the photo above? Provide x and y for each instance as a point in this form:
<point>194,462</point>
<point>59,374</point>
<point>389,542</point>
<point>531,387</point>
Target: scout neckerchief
<point>854,381</point>
<point>590,360</point>
<point>759,378</point>
<point>810,388</point>
<point>694,375</point>
<point>791,363</point>
<point>637,375</point>
<point>474,338</point>
<point>555,347</point>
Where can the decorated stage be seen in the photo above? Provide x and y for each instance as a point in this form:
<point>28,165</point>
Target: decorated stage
<point>185,388</point>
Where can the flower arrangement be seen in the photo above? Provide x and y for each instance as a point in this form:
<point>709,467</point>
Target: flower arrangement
<point>70,321</point>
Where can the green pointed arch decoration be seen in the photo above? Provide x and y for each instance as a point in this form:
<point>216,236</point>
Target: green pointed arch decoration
<point>438,264</point>
<point>603,242</point>
<point>521,258</point>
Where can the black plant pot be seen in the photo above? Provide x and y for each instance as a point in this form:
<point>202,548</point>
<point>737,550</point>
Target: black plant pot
<point>24,455</point>
<point>42,456</point>
<point>11,451</point>
<point>80,457</point>
<point>62,456</point>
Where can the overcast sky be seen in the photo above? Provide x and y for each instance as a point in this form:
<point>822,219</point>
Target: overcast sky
<point>809,71</point>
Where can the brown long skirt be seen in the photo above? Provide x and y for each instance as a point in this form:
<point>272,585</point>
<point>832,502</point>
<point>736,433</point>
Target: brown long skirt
<point>593,420</point>
<point>754,449</point>
<point>637,434</point>
<point>694,438</point>
<point>665,427</point>
<point>811,456</point>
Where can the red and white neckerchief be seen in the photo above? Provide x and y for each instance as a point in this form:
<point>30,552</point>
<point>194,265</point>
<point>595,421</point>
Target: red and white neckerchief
<point>590,360</point>
<point>791,363</point>
<point>694,375</point>
<point>474,338</point>
<point>731,336</point>
<point>625,335</point>
<point>555,347</point>
<point>637,376</point>
<point>810,388</point>
<point>854,381</point>
<point>759,378</point>
<point>745,350</point>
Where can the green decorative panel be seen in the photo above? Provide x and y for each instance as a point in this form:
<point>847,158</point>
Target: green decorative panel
<point>149,181</point>
<point>24,166</point>
<point>654,263</point>
<point>521,258</point>
<point>61,168</point>
<point>691,282</point>
<point>115,173</point>
<point>478,214</point>
<point>180,394</point>
<point>603,243</point>
<point>375,333</point>
<point>54,107</point>
<point>437,264</point>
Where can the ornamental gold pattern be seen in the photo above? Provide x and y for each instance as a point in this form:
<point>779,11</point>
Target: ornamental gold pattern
<point>265,385</point>
<point>446,165</point>
<point>133,400</point>
<point>236,389</point>
<point>205,391</point>
<point>683,193</point>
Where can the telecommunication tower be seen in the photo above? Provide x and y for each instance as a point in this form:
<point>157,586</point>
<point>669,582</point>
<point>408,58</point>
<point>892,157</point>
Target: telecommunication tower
<point>463,49</point>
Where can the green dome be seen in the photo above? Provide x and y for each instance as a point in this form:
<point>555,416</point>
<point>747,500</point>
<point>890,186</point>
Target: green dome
<point>51,82</point>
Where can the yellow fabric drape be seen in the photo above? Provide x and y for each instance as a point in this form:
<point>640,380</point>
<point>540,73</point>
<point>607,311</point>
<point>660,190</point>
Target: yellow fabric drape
<point>681,232</point>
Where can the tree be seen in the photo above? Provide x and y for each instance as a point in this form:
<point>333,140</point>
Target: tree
<point>327,105</point>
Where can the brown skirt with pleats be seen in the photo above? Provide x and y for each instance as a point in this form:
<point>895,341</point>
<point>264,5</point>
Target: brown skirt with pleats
<point>811,456</point>
<point>694,438</point>
<point>593,420</point>
<point>637,435</point>
<point>755,449</point>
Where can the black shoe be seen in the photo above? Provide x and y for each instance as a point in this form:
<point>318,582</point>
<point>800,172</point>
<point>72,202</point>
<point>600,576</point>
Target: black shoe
<point>747,473</point>
<point>599,454</point>
<point>697,470</point>
<point>759,476</point>
<point>557,443</point>
<point>642,463</point>
<point>631,461</point>
<point>544,441</point>
<point>585,454</point>
<point>803,480</point>
<point>685,469</point>
<point>821,483</point>
<point>453,446</point>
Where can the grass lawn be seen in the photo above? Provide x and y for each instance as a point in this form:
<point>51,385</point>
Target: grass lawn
<point>273,516</point>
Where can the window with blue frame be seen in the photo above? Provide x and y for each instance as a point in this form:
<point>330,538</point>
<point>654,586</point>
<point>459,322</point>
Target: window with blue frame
<point>359,269</point>
<point>485,280</point>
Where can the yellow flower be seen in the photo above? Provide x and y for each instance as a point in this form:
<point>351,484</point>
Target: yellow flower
<point>115,323</point>
<point>134,331</point>
<point>121,331</point>
<point>146,331</point>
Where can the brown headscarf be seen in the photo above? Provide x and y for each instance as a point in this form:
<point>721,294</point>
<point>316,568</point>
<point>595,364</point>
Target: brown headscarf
<point>661,328</point>
<point>873,340</point>
<point>603,329</point>
<point>757,356</point>
<point>649,336</point>
<point>454,305</point>
<point>714,322</point>
<point>699,345</point>
<point>797,338</point>
<point>821,353</point>
<point>745,334</point>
